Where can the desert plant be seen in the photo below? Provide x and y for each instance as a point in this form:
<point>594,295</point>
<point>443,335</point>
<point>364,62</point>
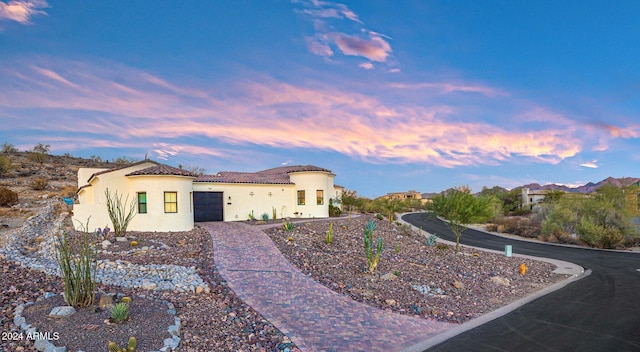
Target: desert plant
<point>78,269</point>
<point>119,312</point>
<point>251,216</point>
<point>7,197</point>
<point>431,240</point>
<point>265,217</point>
<point>8,148</point>
<point>5,164</point>
<point>329,237</point>
<point>39,183</point>
<point>397,248</point>
<point>131,346</point>
<point>379,216</point>
<point>287,225</point>
<point>133,243</point>
<point>372,253</point>
<point>274,213</point>
<point>120,217</point>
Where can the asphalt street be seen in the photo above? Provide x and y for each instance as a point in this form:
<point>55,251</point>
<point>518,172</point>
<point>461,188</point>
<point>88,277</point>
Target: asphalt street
<point>600,312</point>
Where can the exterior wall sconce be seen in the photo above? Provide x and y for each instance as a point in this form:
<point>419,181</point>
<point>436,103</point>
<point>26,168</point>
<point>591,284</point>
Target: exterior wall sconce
<point>270,194</point>
<point>229,197</point>
<point>251,194</point>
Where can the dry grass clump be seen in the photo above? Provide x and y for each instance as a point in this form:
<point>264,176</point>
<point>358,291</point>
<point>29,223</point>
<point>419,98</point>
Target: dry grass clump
<point>8,197</point>
<point>39,183</point>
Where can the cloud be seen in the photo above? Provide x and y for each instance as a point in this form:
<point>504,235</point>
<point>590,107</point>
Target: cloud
<point>22,10</point>
<point>446,87</point>
<point>119,105</point>
<point>369,44</point>
<point>590,164</point>
<point>374,48</point>
<point>366,65</point>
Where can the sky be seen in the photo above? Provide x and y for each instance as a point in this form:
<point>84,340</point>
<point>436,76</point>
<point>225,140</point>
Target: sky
<point>390,96</point>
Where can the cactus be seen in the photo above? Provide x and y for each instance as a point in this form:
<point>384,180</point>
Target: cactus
<point>288,226</point>
<point>119,312</point>
<point>329,238</point>
<point>373,254</point>
<point>131,346</point>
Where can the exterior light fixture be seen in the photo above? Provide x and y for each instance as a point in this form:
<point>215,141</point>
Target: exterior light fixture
<point>270,194</point>
<point>251,194</point>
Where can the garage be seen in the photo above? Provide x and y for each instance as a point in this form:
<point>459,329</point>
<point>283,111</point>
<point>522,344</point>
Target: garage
<point>207,206</point>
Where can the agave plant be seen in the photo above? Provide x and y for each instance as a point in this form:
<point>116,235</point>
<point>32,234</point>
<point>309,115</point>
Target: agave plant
<point>372,253</point>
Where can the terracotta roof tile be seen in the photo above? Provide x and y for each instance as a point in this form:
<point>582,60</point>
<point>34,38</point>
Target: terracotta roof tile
<point>161,170</point>
<point>278,175</point>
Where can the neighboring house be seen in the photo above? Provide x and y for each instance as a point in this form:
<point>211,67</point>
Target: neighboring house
<point>404,195</point>
<point>532,197</point>
<point>171,199</point>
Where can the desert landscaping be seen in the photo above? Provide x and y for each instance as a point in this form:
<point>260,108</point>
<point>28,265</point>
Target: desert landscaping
<point>413,277</point>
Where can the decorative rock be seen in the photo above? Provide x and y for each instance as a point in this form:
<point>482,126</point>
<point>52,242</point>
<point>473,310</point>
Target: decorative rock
<point>390,302</point>
<point>148,285</point>
<point>105,244</point>
<point>62,311</point>
<point>121,239</point>
<point>458,284</point>
<point>501,281</point>
<point>388,276</point>
<point>199,289</point>
<point>106,301</point>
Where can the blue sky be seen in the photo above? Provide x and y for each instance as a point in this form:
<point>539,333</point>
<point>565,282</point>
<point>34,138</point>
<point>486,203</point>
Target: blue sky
<point>389,95</point>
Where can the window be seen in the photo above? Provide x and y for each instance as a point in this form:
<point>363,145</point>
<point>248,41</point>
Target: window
<point>170,202</point>
<point>320,197</point>
<point>300,197</point>
<point>142,202</point>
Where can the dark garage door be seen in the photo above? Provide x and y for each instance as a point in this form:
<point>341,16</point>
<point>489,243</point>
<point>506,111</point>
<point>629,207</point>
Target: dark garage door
<point>207,206</point>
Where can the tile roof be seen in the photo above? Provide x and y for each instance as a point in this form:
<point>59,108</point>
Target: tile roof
<point>278,175</point>
<point>120,168</point>
<point>161,170</point>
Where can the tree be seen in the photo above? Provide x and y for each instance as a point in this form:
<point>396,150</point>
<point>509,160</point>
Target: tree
<point>39,153</point>
<point>461,209</point>
<point>120,212</point>
<point>350,200</point>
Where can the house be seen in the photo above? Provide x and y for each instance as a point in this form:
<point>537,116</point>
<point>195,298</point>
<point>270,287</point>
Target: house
<point>172,199</point>
<point>533,197</point>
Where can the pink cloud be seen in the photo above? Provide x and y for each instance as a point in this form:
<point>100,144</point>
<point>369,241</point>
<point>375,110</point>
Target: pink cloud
<point>141,109</point>
<point>446,87</point>
<point>22,10</point>
<point>366,65</point>
<point>374,48</point>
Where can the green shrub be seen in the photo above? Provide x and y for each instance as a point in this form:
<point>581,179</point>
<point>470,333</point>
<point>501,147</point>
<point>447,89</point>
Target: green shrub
<point>119,312</point>
<point>78,268</point>
<point>5,165</point>
<point>287,225</point>
<point>265,217</point>
<point>9,148</point>
<point>7,197</point>
<point>431,240</point>
<point>599,236</point>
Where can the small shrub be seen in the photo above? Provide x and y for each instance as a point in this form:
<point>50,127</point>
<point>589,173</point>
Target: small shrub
<point>39,183</point>
<point>119,312</point>
<point>287,225</point>
<point>8,197</point>
<point>397,248</point>
<point>274,213</point>
<point>379,216</point>
<point>119,216</point>
<point>9,148</point>
<point>265,217</point>
<point>251,217</point>
<point>5,165</point>
<point>431,240</point>
<point>442,246</point>
<point>69,191</point>
<point>134,243</point>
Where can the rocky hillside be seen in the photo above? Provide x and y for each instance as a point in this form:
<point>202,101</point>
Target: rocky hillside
<point>36,180</point>
<point>589,187</point>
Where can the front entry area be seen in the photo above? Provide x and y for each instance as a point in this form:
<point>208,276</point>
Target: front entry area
<point>207,206</point>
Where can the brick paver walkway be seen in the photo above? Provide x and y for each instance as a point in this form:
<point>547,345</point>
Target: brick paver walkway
<point>314,317</point>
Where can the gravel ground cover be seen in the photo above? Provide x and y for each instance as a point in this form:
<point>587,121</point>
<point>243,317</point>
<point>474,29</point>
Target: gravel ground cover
<point>215,321</point>
<point>412,278</point>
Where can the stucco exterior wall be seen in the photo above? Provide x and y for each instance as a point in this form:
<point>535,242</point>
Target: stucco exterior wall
<point>238,201</point>
<point>310,182</point>
<point>92,199</point>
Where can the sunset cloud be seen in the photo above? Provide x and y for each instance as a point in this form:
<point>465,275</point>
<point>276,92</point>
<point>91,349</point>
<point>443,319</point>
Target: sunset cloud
<point>591,164</point>
<point>143,108</point>
<point>374,48</point>
<point>22,11</point>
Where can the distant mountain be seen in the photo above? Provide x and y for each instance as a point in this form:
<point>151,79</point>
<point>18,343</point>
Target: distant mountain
<point>587,188</point>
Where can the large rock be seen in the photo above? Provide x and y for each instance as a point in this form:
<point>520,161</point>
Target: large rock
<point>62,311</point>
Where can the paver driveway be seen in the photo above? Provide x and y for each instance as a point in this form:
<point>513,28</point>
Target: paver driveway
<point>313,316</point>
